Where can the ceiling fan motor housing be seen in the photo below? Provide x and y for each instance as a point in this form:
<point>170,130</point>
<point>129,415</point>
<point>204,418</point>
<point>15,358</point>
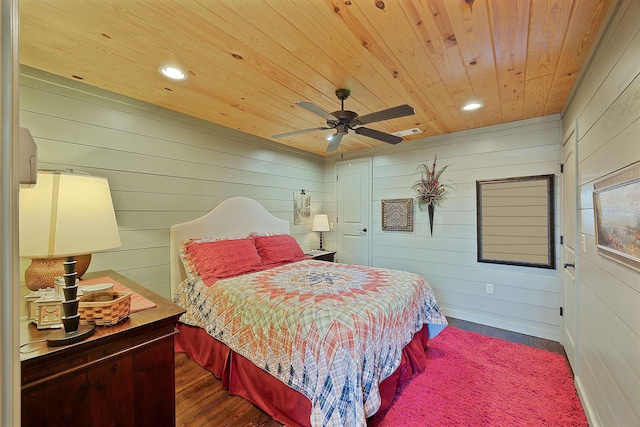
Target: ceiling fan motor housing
<point>344,117</point>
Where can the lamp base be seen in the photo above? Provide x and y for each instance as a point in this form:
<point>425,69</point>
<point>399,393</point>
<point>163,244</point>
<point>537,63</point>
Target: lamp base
<point>42,272</point>
<point>60,337</point>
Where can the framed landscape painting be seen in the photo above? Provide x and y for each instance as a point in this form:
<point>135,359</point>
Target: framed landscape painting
<point>616,207</point>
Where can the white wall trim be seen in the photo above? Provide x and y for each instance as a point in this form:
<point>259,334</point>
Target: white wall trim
<point>590,412</point>
<point>9,187</point>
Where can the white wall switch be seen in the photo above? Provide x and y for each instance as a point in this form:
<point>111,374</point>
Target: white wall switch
<point>489,288</point>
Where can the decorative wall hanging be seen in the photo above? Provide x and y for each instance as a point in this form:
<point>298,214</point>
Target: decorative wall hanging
<point>430,189</point>
<point>301,208</point>
<point>516,221</point>
<point>616,207</point>
<point>397,215</point>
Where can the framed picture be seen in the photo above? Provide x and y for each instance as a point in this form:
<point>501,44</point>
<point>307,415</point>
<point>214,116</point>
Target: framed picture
<point>397,215</point>
<point>301,208</point>
<point>616,207</point>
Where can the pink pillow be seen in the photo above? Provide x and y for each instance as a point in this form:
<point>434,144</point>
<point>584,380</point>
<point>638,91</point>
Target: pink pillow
<point>278,249</point>
<point>214,260</point>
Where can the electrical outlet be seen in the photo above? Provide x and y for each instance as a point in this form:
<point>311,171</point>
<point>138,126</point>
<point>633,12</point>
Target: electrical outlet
<point>583,242</point>
<point>489,288</point>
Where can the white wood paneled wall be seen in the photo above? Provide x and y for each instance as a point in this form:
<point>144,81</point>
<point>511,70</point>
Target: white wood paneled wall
<point>607,107</point>
<point>163,167</point>
<point>524,299</point>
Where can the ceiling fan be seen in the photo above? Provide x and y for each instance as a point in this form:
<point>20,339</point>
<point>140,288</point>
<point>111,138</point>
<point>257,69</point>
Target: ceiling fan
<point>343,120</point>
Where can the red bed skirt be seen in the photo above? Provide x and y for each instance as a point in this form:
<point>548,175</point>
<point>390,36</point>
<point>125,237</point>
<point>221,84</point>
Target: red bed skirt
<point>242,378</point>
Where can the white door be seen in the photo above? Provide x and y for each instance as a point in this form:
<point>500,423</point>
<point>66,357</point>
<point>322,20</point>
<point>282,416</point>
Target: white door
<point>353,181</point>
<point>568,279</point>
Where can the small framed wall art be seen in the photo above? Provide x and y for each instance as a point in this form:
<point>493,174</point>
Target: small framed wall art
<point>397,215</point>
<point>301,208</point>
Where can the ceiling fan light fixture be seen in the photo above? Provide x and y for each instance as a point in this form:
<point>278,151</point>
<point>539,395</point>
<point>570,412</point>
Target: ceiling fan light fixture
<point>173,73</point>
<point>472,106</point>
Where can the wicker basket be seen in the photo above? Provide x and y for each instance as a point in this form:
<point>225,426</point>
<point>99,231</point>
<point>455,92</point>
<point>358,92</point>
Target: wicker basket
<point>94,309</point>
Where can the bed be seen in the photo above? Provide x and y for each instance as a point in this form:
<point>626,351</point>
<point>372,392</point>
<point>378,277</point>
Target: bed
<point>311,343</point>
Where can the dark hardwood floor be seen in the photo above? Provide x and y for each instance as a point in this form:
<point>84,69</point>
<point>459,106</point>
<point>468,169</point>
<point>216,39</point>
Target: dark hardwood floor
<point>529,340</point>
<point>201,401</point>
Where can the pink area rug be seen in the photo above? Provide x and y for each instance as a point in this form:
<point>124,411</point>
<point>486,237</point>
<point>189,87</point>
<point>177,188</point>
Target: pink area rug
<point>475,380</point>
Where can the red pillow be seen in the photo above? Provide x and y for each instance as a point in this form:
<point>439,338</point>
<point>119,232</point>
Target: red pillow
<point>223,258</point>
<point>278,249</point>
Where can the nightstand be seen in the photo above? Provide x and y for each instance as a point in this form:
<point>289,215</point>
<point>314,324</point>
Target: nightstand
<point>121,375</point>
<point>321,255</point>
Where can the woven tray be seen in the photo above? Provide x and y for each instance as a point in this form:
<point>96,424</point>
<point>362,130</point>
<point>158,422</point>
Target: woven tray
<point>93,308</point>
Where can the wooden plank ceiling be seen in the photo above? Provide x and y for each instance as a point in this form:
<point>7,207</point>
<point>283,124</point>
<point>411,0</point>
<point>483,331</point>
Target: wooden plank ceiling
<point>248,61</point>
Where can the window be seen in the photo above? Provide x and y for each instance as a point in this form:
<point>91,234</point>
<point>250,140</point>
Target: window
<point>516,221</point>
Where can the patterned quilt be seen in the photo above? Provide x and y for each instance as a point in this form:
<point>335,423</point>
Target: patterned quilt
<point>331,331</point>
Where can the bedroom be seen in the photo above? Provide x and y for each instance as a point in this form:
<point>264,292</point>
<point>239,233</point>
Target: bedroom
<point>156,183</point>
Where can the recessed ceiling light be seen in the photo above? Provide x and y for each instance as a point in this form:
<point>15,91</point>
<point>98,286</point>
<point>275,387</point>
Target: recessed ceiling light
<point>172,72</point>
<point>472,106</point>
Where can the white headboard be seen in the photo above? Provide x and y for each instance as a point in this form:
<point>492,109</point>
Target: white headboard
<point>234,217</point>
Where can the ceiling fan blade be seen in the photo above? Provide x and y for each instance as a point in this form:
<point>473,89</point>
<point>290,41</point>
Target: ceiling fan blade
<point>376,134</point>
<point>389,113</point>
<point>317,110</point>
<point>334,142</point>
<point>295,132</point>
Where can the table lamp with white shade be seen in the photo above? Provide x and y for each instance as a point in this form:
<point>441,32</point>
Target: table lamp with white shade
<point>64,215</point>
<point>320,223</point>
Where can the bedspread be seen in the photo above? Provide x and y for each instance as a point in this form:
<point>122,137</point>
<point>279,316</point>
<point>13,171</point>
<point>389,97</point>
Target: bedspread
<point>330,331</point>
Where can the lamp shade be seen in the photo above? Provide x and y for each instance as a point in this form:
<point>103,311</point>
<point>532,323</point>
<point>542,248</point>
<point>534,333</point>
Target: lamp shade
<point>67,214</point>
<point>320,223</point>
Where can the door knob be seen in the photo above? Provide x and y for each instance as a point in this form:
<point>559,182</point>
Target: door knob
<point>363,229</point>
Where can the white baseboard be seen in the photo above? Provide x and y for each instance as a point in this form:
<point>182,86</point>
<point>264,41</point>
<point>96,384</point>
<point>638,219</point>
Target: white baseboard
<point>589,410</point>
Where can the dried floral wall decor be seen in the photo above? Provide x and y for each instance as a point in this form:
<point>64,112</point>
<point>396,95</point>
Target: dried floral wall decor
<point>430,189</point>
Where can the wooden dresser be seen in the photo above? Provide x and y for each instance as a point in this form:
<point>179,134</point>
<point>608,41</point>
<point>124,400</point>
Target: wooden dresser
<point>123,375</point>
